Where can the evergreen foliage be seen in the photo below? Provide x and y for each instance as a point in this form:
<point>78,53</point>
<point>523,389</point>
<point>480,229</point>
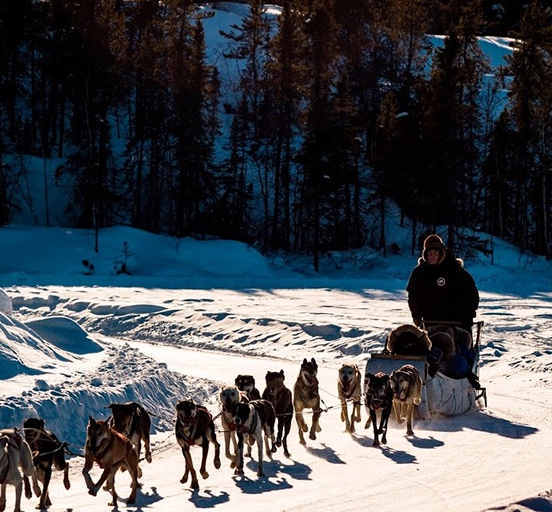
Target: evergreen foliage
<point>332,112</point>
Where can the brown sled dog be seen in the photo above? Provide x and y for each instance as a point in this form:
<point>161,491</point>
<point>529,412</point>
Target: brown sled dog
<point>111,451</point>
<point>407,392</point>
<point>15,454</point>
<point>280,397</point>
<point>133,421</point>
<point>48,452</point>
<point>348,388</point>
<point>194,426</point>
<point>307,396</point>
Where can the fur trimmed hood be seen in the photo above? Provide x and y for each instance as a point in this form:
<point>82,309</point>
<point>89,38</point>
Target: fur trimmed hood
<point>408,340</point>
<point>434,242</point>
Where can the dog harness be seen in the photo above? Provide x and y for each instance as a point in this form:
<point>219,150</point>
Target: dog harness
<point>100,454</point>
<point>192,424</point>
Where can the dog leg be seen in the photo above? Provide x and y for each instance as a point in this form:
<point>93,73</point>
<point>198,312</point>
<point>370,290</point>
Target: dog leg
<point>374,421</point>
<point>356,411</point>
<point>259,440</point>
<point>189,469</point>
<point>106,476</point>
<point>385,413</point>
<point>204,452</point>
<point>302,426</point>
<point>239,466</point>
<point>211,436</point>
<point>398,408</point>
<point>345,416</point>
<point>134,484</point>
<point>46,477</point>
<point>27,486</point>
<point>110,486</point>
<point>227,441</point>
<point>66,482</point>
<point>368,420</point>
<point>18,492</point>
<point>3,498</point>
<point>409,417</point>
<point>315,423</point>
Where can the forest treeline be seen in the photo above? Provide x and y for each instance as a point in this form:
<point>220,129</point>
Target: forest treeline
<point>299,136</point>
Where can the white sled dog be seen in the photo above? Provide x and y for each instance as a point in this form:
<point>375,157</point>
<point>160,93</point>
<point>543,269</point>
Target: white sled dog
<point>15,454</point>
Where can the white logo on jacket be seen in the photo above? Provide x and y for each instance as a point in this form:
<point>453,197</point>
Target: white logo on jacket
<point>441,281</point>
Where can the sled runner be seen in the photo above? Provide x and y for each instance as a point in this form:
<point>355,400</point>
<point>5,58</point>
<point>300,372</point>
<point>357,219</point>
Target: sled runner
<point>446,389</point>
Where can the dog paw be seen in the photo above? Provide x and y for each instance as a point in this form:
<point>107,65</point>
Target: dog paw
<point>376,442</point>
<point>260,474</point>
<point>148,458</point>
<point>205,475</point>
<point>238,471</point>
<point>274,449</point>
<point>216,463</point>
<point>195,485</point>
<point>93,491</point>
<point>312,436</point>
<point>409,432</point>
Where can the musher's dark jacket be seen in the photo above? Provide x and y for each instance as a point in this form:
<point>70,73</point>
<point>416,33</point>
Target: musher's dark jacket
<point>444,292</point>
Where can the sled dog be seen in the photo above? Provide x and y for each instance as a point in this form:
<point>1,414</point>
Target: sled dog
<point>15,454</point>
<point>307,396</point>
<point>47,451</point>
<point>407,392</point>
<point>230,397</point>
<point>348,388</point>
<point>112,451</point>
<point>280,397</point>
<point>378,397</point>
<point>134,422</point>
<point>194,426</point>
<point>252,419</point>
<point>247,383</point>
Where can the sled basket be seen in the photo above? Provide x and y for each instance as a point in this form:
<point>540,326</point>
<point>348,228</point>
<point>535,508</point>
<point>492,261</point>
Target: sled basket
<point>440,394</point>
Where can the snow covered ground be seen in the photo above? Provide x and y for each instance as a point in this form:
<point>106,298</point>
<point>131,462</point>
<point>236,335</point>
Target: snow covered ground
<point>195,314</point>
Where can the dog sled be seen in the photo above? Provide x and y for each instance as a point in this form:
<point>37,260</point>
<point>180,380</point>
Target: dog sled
<point>445,391</point>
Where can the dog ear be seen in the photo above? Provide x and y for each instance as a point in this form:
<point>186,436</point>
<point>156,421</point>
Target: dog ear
<point>305,361</point>
<point>282,374</point>
<point>313,361</point>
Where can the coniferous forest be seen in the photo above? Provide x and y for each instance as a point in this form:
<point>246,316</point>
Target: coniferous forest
<point>341,108</point>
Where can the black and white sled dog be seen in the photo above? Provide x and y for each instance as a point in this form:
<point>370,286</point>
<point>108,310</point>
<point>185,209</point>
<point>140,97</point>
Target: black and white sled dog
<point>253,421</point>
